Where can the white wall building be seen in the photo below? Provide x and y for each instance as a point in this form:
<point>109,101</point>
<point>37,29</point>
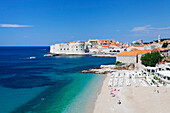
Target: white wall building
<point>137,41</point>
<point>162,71</point>
<point>68,48</point>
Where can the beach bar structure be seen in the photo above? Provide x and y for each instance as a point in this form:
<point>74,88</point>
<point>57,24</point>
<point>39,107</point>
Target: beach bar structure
<point>149,70</point>
<point>164,76</point>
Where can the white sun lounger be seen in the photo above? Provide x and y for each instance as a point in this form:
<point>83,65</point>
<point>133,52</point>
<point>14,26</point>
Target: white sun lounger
<point>115,82</point>
<point>143,83</point>
<point>121,82</point>
<point>110,84</point>
<point>128,82</point>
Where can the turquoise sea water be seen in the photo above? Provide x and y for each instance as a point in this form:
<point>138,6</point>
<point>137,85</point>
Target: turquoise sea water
<point>47,84</point>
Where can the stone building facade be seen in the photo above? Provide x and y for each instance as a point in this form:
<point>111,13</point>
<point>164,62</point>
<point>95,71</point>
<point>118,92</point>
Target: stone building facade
<point>68,48</point>
<point>131,56</point>
<point>127,59</point>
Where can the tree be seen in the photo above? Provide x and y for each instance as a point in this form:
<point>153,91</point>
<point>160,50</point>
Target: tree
<point>137,43</point>
<point>145,43</point>
<point>151,59</point>
<point>165,45</point>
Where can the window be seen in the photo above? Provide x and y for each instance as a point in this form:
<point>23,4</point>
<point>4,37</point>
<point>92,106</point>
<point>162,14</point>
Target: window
<point>168,78</point>
<point>60,49</point>
<point>158,74</point>
<point>76,49</point>
<point>164,77</point>
<point>167,69</point>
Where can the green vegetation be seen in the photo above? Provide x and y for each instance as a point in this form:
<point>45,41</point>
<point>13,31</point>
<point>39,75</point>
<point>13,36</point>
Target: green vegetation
<point>165,45</point>
<point>159,79</point>
<point>156,41</point>
<point>151,59</point>
<point>164,83</point>
<point>118,63</point>
<point>146,43</point>
<point>137,43</point>
<point>156,78</point>
<point>153,81</point>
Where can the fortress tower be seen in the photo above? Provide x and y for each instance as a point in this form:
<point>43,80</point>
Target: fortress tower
<point>159,39</point>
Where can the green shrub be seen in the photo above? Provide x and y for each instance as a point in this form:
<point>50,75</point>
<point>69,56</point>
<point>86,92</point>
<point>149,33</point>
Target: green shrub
<point>156,78</point>
<point>153,81</point>
<point>165,45</point>
<point>118,63</point>
<point>164,83</point>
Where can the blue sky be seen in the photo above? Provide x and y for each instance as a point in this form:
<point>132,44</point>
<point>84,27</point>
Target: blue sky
<point>46,22</point>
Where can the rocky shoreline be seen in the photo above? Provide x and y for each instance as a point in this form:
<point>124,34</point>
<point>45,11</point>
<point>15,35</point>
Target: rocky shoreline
<point>104,69</point>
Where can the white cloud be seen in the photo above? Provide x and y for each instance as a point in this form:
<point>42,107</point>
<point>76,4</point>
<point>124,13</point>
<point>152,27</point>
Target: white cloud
<point>14,25</point>
<point>149,28</point>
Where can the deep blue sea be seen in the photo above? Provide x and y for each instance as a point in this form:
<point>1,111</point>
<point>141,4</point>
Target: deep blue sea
<point>47,84</point>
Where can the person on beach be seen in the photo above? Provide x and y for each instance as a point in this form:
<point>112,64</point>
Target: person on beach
<point>119,102</point>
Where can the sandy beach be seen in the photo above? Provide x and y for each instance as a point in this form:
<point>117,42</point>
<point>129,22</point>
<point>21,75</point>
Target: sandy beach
<point>133,99</point>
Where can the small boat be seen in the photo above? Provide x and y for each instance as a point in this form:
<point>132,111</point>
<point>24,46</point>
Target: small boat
<point>32,57</point>
<point>48,55</point>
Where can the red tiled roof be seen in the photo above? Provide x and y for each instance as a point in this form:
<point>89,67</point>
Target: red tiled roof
<point>133,53</point>
<point>134,49</point>
<point>139,45</point>
<point>105,46</point>
<point>103,40</point>
<point>127,53</point>
<point>160,49</point>
<point>110,39</point>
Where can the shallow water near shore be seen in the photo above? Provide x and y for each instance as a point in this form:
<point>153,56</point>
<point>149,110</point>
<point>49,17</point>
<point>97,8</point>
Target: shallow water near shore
<point>47,84</point>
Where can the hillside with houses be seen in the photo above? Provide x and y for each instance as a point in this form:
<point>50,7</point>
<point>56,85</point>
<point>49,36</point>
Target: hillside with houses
<point>108,46</point>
